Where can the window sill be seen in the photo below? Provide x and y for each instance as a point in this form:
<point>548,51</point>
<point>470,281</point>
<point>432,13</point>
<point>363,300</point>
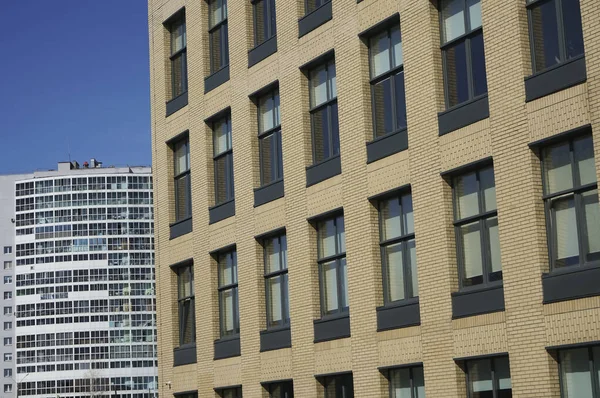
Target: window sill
<point>262,51</point>
<point>464,114</point>
<point>227,347</point>
<point>216,79</point>
<point>332,327</point>
<point>478,301</point>
<point>221,211</point>
<point>399,314</point>
<point>268,193</point>
<point>323,170</point>
<point>556,78</point>
<point>276,338</point>
<point>314,19</point>
<point>180,228</point>
<point>177,103</point>
<point>389,144</point>
<point>571,284</point>
<point>184,355</point>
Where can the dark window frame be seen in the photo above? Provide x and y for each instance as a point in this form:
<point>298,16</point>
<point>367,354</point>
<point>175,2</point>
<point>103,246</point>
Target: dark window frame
<point>337,257</point>
<point>283,273</point>
<point>184,174</point>
<point>492,360</point>
<point>481,217</point>
<point>228,155</point>
<point>178,22</point>
<point>271,24</point>
<point>466,37</point>
<point>576,192</point>
<point>223,392</point>
<point>235,294</point>
<point>287,389</point>
<point>275,132</point>
<point>403,239</point>
<point>560,27</point>
<point>341,385</point>
<point>223,37</point>
<point>329,104</point>
<point>307,9</point>
<point>594,370</point>
<point>392,73</point>
<point>182,300</point>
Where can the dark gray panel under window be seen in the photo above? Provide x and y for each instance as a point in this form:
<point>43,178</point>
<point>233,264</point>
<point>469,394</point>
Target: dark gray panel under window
<point>323,171</point>
<point>399,315</point>
<point>387,145</point>
<point>317,13</point>
<point>177,103</point>
<point>564,75</point>
<point>268,193</point>
<point>184,355</point>
<point>221,212</point>
<point>463,115</point>
<point>227,348</point>
<point>275,339</point>
<point>216,79</point>
<point>262,51</point>
<point>180,228</point>
<point>476,302</point>
<point>571,284</point>
<point>332,328</point>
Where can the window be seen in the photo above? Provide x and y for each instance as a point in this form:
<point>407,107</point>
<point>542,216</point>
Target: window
<point>264,21</point>
<point>183,189</point>
<point>7,310</point>
<point>186,304</point>
<point>387,82</point>
<point>276,281</point>
<point>311,5</point>
<point>476,228</point>
<point>8,265</point>
<point>7,280</point>
<point>178,56</point>
<point>7,357</point>
<point>8,340</point>
<point>269,138</point>
<point>578,369</point>
<point>555,32</point>
<point>228,294</point>
<point>8,388</point>
<point>7,325</point>
<point>462,50</point>
<point>7,295</point>
<point>338,386</point>
<point>219,43</point>
<point>230,392</point>
<point>407,382</point>
<point>8,372</point>
<point>398,250</point>
<point>223,159</point>
<point>280,390</point>
<point>489,378</point>
<point>324,112</point>
<point>571,201</point>
<point>7,249</point>
<point>333,276</point>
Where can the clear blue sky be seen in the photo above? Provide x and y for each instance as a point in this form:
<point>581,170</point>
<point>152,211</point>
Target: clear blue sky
<point>73,74</point>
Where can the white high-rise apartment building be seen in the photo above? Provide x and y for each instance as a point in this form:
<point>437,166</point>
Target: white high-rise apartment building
<point>85,307</point>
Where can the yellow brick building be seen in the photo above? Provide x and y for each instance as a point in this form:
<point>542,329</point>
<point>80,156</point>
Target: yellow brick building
<point>377,198</point>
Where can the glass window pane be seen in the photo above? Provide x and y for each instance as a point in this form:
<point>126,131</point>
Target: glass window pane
<point>492,226</point>
<point>592,220</point>
<point>467,196</point>
<point>596,356</point>
<point>221,136</point>
<point>185,282</point>
<point>584,159</point>
<point>276,108</point>
<point>318,86</point>
<point>335,134</point>
<point>221,179</point>
<point>502,375</point>
<point>272,255</point>
<point>177,36</point>
<point>216,55</point>
<point>382,107</point>
<point>480,378</point>
<point>321,135</point>
<point>178,75</point>
<point>332,80</point>
<point>226,270</point>
<point>407,215</point>
<point>341,235</point>
<point>453,19</point>
<point>268,159</point>
<point>380,53</point>
<point>260,28</point>
<point>329,291</point>
<point>474,7</point>
<point>326,236</point>
<point>544,29</point>
<point>390,219</point>
<point>419,382</point>
<point>182,157</point>
<point>478,65</point>
<point>283,244</point>
<point>470,239</point>
<point>576,377</point>
<point>266,118</point>
<point>400,101</point>
<point>400,381</point>
<point>395,273</point>
<point>398,58</point>
<point>186,317</point>
<point>557,168</point>
<point>275,310</point>
<point>217,11</point>
<point>572,25</point>
<point>457,85</point>
<point>227,312</point>
<point>412,251</point>
<point>488,187</point>
<point>345,301</point>
<point>183,207</point>
<point>565,232</point>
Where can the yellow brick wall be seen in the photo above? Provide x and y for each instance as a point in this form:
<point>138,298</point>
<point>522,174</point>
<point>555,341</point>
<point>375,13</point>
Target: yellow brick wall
<point>523,330</point>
